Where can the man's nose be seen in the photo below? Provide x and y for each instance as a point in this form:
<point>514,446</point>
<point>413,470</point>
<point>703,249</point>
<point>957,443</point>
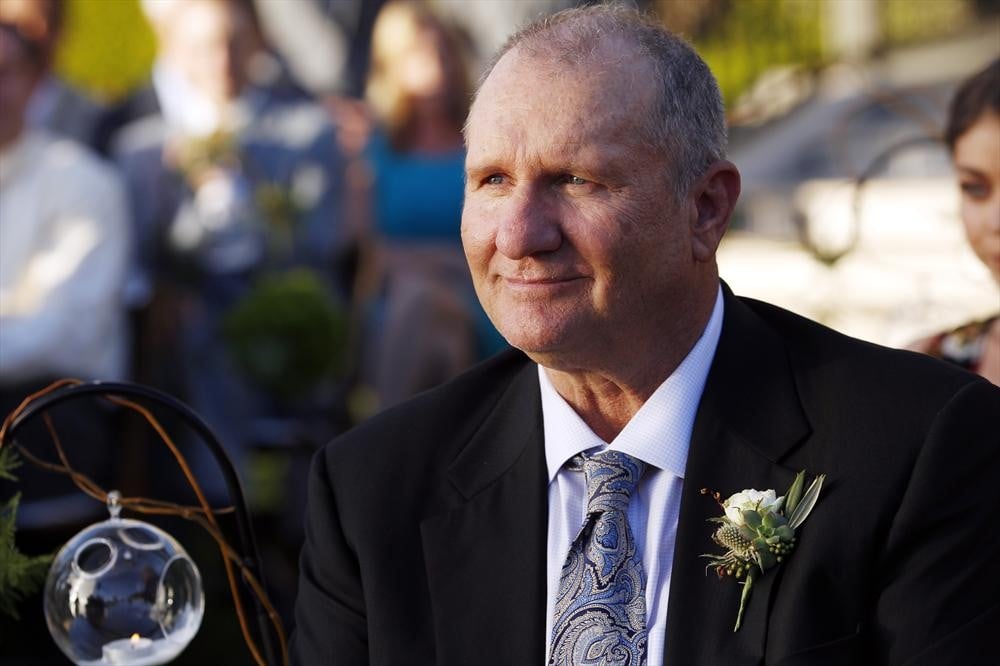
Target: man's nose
<point>530,226</point>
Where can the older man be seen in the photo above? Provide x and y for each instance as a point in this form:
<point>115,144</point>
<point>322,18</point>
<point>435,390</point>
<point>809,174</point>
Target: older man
<point>547,505</point>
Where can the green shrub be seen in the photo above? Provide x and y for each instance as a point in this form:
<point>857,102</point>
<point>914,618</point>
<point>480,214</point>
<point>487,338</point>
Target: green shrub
<point>288,335</point>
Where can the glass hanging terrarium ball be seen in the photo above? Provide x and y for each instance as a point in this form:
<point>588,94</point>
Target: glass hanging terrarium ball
<point>123,592</point>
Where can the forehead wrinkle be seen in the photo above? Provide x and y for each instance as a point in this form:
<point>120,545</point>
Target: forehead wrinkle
<point>569,117</point>
<point>592,108</point>
<point>607,163</point>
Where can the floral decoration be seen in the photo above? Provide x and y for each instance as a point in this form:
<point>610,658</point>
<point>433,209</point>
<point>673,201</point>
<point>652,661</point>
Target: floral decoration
<point>758,531</point>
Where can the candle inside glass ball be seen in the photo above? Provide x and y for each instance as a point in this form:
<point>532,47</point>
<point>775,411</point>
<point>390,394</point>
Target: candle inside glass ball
<point>128,650</point>
<point>123,592</point>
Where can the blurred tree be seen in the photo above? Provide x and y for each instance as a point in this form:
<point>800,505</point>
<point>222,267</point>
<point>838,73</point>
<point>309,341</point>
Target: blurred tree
<point>20,575</point>
<point>742,39</point>
<point>692,19</point>
<point>107,47</point>
<point>902,25</point>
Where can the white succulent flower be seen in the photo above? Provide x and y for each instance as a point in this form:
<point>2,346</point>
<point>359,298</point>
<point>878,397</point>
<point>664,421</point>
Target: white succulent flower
<point>751,500</point>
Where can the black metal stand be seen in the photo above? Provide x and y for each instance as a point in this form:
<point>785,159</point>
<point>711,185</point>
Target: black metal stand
<point>244,527</point>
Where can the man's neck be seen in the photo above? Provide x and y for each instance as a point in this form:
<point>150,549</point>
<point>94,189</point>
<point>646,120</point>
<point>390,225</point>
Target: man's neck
<point>605,404</point>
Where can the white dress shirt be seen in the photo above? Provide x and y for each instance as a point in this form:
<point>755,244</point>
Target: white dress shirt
<point>659,435</point>
<point>64,240</point>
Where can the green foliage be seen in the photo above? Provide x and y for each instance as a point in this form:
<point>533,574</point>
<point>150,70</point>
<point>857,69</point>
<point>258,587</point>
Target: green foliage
<point>801,512</point>
<point>20,575</point>
<point>794,494</point>
<point>107,47</point>
<point>288,335</point>
<point>752,36</point>
<point>741,39</point>
<point>8,463</point>
<point>901,24</point>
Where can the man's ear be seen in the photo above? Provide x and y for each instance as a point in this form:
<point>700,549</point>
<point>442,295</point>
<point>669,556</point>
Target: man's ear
<point>714,197</point>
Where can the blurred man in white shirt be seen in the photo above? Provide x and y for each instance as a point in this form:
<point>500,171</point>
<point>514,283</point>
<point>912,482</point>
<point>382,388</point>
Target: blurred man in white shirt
<point>63,242</point>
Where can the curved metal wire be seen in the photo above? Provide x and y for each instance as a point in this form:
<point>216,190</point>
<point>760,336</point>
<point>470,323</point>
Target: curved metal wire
<point>244,527</point>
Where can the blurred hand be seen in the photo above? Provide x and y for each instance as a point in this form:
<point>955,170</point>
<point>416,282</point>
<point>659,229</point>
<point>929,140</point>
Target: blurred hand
<point>353,121</point>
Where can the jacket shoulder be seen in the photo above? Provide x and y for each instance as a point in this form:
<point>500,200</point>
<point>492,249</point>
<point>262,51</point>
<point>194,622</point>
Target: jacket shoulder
<point>433,425</point>
<point>868,367</point>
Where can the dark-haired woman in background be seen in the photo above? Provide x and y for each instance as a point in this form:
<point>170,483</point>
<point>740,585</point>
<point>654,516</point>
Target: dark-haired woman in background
<point>973,137</point>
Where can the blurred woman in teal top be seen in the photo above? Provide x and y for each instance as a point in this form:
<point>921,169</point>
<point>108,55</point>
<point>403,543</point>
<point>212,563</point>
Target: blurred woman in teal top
<point>417,196</point>
<point>425,325</point>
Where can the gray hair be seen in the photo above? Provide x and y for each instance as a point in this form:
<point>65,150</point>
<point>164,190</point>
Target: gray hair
<point>688,121</point>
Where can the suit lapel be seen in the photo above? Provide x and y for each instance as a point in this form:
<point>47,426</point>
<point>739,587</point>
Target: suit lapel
<point>748,419</point>
<point>486,558</point>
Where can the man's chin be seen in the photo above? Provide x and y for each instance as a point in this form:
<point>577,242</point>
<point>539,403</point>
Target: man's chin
<point>546,347</point>
<point>535,344</point>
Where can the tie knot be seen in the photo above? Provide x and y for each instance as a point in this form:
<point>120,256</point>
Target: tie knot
<point>611,478</point>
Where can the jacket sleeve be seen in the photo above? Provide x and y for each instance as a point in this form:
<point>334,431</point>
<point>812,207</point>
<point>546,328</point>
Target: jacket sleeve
<point>331,623</point>
<point>939,595</point>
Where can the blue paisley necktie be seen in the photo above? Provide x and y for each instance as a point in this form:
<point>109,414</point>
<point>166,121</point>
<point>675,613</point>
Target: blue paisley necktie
<point>600,613</point>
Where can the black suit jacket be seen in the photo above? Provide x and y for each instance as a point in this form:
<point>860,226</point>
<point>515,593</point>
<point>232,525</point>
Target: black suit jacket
<point>426,528</point>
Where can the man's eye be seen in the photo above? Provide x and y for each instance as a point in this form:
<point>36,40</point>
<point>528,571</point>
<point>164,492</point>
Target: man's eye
<point>493,179</point>
<point>974,190</point>
<point>570,179</point>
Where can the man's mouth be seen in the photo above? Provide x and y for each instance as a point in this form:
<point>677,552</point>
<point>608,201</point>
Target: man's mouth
<point>539,283</point>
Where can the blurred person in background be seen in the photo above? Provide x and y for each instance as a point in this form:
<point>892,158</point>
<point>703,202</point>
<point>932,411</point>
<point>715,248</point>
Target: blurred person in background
<point>230,183</point>
<point>179,63</point>
<point>427,323</point>
<point>973,137</point>
<point>55,105</point>
<point>63,256</point>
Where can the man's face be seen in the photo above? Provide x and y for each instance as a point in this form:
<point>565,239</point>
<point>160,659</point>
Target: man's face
<point>576,245</point>
<point>18,76</point>
<point>211,43</point>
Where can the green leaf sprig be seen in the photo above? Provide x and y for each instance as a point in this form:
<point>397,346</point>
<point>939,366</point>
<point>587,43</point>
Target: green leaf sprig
<point>20,575</point>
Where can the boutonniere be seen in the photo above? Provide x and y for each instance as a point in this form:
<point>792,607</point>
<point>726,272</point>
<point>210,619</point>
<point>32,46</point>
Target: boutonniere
<point>196,158</point>
<point>758,531</point>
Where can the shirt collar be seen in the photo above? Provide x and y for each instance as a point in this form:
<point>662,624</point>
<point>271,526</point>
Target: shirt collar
<point>660,432</point>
